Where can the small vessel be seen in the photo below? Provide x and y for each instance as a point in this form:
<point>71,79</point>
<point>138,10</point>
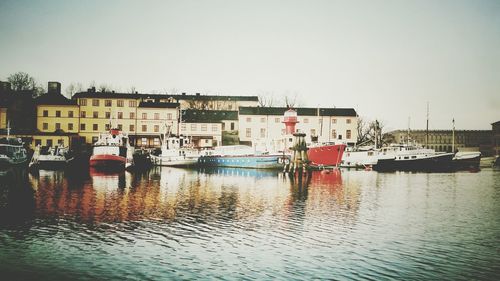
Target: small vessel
<point>12,151</point>
<point>410,157</point>
<point>50,158</point>
<point>359,157</point>
<point>241,156</point>
<point>467,160</point>
<point>325,154</point>
<point>176,152</point>
<point>112,151</point>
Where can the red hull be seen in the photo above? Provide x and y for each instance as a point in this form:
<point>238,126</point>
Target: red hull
<point>107,161</point>
<point>326,155</point>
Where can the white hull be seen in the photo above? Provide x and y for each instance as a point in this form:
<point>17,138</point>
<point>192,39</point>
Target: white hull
<point>174,161</point>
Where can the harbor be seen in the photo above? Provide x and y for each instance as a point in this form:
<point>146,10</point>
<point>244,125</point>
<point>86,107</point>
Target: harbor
<point>230,223</point>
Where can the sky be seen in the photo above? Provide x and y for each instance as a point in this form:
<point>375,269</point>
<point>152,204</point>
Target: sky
<point>387,59</point>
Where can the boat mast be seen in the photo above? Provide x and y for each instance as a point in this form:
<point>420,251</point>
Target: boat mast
<point>408,137</point>
<point>427,128</point>
<point>453,137</point>
<point>8,129</point>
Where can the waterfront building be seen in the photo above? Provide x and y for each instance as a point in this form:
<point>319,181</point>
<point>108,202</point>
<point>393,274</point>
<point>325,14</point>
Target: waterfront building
<point>17,107</point>
<point>495,127</point>
<point>215,102</point>
<point>204,127</point>
<point>442,140</point>
<point>153,118</point>
<point>321,124</point>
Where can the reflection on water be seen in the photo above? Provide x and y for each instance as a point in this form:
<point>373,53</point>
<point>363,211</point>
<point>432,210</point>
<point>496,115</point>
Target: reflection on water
<point>244,223</point>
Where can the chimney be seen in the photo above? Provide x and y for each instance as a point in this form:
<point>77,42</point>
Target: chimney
<point>54,88</point>
<point>5,86</point>
<point>197,94</point>
<point>183,94</point>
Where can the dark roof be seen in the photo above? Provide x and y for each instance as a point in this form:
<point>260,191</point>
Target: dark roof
<point>54,99</point>
<point>301,111</point>
<point>208,116</point>
<point>97,94</point>
<point>159,104</point>
<point>496,123</point>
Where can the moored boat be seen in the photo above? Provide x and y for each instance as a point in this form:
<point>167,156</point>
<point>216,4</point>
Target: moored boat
<point>50,158</point>
<point>241,156</point>
<point>467,160</point>
<point>112,151</point>
<point>12,152</point>
<point>325,155</point>
<point>176,152</point>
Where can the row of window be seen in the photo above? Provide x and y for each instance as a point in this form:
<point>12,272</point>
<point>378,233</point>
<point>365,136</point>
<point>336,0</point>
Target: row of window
<point>203,127</point>
<point>348,133</point>
<point>95,127</point>
<point>58,113</point>
<point>95,114</point>
<point>305,120</point>
<point>109,103</point>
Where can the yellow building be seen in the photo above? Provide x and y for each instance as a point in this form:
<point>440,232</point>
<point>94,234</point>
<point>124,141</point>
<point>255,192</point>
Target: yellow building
<point>57,118</point>
<point>153,119</point>
<point>3,117</point>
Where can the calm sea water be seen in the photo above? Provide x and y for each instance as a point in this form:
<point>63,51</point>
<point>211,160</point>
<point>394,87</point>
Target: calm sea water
<point>170,223</point>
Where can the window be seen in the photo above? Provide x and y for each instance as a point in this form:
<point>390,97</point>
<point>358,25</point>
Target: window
<point>45,113</point>
<point>276,120</point>
<point>95,102</point>
<point>131,128</point>
<point>144,141</point>
<point>107,127</point>
<point>249,119</point>
<point>214,128</point>
<point>83,102</point>
<point>157,128</point>
<point>108,115</point>
<point>95,127</point>
<point>334,134</point>
<point>306,120</point>
<point>262,120</point>
<point>82,114</point>
<point>82,127</point>
<point>248,132</point>
<point>204,127</point>
<point>120,115</point>
<point>183,127</point>
<point>144,115</point>
<point>169,116</point>
<point>144,128</point>
<point>348,133</point>
<point>230,106</point>
<point>70,113</point>
<point>132,103</point>
<point>313,132</point>
<point>157,116</point>
<point>156,141</point>
<point>49,142</point>
<point>38,142</point>
<point>58,126</point>
<point>348,121</point>
<point>132,115</point>
<point>193,127</point>
<point>262,132</point>
<point>120,127</point>
<point>107,103</point>
<point>232,126</point>
<point>119,103</point>
<point>70,126</point>
<point>45,126</point>
<point>60,142</point>
<point>223,126</point>
<point>334,121</point>
<point>95,114</point>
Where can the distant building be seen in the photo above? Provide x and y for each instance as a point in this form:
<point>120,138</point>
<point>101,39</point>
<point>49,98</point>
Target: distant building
<point>441,140</point>
<point>495,127</point>
<point>17,108</point>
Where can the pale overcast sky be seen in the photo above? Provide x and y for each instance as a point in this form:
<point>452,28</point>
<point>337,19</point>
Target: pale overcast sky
<point>384,58</point>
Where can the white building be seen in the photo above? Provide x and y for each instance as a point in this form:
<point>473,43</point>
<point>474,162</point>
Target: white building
<point>325,124</point>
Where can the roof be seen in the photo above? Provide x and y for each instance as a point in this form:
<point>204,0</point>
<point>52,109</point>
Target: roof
<point>96,94</point>
<point>301,111</point>
<point>496,123</point>
<point>159,104</point>
<point>208,116</point>
<point>54,99</point>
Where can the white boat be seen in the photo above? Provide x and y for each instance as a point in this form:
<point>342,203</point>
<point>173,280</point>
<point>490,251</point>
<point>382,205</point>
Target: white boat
<point>51,158</point>
<point>359,157</point>
<point>112,151</point>
<point>12,152</point>
<point>175,152</point>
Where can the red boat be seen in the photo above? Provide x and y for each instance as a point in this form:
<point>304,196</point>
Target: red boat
<point>112,151</point>
<point>325,155</point>
<point>320,154</point>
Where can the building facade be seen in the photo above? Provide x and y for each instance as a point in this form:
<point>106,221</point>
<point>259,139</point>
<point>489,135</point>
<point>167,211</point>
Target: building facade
<point>495,128</point>
<point>321,124</point>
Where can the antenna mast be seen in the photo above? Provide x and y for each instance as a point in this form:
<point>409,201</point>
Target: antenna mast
<point>427,128</point>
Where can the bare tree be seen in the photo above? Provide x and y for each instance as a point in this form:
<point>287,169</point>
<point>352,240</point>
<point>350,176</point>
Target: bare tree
<point>132,89</point>
<point>266,100</point>
<point>105,88</point>
<point>21,81</point>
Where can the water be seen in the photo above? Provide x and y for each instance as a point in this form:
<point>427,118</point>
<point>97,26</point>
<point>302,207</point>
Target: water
<point>170,223</point>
